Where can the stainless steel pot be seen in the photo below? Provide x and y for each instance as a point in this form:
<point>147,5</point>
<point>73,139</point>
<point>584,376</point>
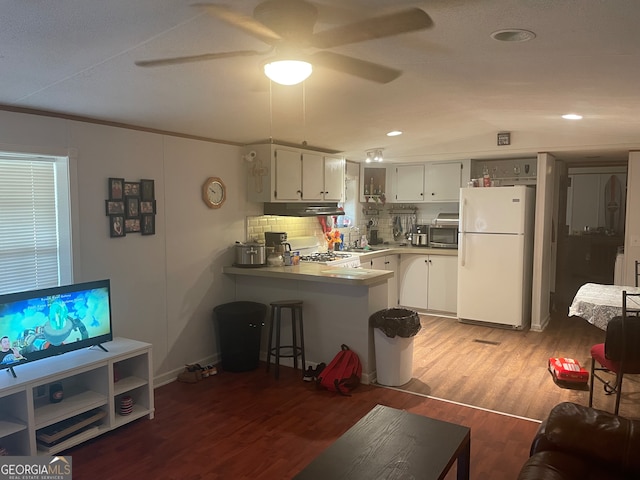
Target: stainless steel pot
<point>250,254</point>
<point>420,239</point>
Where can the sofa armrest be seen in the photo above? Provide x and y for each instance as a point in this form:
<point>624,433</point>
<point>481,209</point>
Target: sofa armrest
<point>595,435</point>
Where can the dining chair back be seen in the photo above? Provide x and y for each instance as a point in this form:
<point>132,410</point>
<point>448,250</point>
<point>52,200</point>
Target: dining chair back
<point>620,353</point>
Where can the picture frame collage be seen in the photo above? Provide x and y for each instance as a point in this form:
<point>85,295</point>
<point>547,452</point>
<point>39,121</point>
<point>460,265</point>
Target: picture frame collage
<point>131,207</point>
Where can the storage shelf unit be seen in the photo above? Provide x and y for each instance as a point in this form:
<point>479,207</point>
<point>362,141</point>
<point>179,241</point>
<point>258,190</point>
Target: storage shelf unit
<point>90,379</point>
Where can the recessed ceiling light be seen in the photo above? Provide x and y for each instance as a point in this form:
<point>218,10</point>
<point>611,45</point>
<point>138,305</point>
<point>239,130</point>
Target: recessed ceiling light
<point>572,116</point>
<point>394,133</point>
<point>513,35</point>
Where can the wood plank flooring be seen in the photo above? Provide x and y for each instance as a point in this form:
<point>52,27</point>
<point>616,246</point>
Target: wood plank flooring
<point>250,426</point>
<point>506,370</point>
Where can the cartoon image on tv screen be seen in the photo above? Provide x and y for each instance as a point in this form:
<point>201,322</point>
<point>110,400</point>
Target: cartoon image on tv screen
<point>34,325</point>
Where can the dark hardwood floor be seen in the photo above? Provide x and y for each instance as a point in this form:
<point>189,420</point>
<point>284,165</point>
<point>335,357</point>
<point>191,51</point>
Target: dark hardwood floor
<point>250,426</point>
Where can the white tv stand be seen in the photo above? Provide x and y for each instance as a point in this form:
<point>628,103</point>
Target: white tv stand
<point>87,378</point>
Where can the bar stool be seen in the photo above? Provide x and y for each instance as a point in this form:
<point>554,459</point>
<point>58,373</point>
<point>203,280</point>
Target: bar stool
<point>295,308</point>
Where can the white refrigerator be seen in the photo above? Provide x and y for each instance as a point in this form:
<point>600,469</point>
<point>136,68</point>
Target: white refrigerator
<point>495,255</point>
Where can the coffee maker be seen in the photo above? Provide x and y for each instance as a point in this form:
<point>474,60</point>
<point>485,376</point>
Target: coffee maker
<point>278,240</point>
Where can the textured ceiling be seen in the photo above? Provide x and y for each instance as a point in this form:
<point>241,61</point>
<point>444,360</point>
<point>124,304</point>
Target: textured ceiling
<point>459,87</point>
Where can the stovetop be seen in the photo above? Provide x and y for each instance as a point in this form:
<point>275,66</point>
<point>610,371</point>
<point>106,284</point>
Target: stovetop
<point>324,257</point>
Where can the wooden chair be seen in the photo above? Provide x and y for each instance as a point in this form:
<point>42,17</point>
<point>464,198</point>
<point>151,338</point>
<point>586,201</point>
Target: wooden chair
<point>620,353</point>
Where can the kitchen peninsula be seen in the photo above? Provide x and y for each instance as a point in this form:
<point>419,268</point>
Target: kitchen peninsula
<point>337,305</point>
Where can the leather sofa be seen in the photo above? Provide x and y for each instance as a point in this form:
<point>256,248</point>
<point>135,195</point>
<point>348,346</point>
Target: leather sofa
<point>578,442</point>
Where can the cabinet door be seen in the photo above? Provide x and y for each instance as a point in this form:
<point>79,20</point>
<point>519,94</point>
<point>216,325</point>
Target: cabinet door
<point>333,179</point>
<point>443,283</point>
<point>410,183</point>
<point>442,182</point>
<point>413,281</point>
<point>312,177</point>
<point>390,264</point>
<point>288,181</point>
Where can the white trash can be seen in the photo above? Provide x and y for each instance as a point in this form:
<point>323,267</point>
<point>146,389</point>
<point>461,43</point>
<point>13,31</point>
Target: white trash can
<point>394,329</point>
<point>394,359</point>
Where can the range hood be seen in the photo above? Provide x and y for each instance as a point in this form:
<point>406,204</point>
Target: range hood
<point>302,209</point>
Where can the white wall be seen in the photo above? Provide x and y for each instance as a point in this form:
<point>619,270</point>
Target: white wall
<point>164,286</point>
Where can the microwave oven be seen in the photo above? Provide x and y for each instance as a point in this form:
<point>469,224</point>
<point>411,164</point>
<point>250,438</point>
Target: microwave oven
<point>443,236</point>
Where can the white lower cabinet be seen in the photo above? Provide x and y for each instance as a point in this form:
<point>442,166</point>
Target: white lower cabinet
<point>429,282</point>
<point>388,263</point>
<point>97,388</point>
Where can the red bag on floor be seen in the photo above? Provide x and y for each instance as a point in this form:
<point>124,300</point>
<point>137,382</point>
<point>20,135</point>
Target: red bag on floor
<point>343,373</point>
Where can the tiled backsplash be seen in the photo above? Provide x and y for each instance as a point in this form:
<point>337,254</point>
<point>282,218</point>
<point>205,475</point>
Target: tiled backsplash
<point>294,226</point>
<point>302,227</point>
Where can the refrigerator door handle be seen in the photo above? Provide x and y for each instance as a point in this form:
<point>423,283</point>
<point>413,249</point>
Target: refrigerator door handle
<point>461,232</point>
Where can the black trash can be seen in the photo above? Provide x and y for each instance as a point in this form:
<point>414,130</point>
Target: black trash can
<point>240,329</point>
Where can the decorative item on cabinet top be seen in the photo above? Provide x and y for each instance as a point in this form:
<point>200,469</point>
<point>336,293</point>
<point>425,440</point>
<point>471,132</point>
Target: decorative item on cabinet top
<point>131,207</point>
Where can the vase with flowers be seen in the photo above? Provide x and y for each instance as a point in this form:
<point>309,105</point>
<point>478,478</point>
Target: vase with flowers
<point>333,238</point>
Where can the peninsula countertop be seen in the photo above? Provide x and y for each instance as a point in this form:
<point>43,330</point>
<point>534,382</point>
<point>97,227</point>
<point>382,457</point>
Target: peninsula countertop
<point>315,272</point>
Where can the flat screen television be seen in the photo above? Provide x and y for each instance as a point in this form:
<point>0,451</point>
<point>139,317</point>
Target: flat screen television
<point>37,324</point>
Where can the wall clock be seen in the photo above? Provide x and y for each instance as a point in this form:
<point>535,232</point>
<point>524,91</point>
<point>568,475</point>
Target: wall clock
<point>214,192</point>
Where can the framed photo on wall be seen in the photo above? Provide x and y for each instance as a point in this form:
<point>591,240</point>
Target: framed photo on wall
<point>133,207</point>
<point>116,226</point>
<point>148,224</point>
<point>116,188</point>
<point>147,193</point>
<point>131,189</point>
<point>114,207</point>
<point>132,225</point>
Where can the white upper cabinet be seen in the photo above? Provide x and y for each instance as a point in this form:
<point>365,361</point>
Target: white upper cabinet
<point>290,174</point>
<point>322,177</point>
<point>443,182</point>
<point>409,183</point>
<point>288,181</point>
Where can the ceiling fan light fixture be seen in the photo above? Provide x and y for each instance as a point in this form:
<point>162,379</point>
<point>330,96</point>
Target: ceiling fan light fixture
<point>287,72</point>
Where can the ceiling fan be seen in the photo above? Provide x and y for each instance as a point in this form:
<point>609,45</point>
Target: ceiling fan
<point>288,27</point>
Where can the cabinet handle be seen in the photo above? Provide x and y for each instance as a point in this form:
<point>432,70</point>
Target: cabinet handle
<point>299,192</point>
<point>433,193</point>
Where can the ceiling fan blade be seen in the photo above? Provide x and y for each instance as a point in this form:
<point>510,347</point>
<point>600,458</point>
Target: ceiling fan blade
<point>354,66</point>
<point>409,20</point>
<point>243,22</point>
<point>197,58</point>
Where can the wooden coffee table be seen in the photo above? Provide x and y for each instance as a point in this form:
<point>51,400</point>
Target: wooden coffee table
<point>391,443</point>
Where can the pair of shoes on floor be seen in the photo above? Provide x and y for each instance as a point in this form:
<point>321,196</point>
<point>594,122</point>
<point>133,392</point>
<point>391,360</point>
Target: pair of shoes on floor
<point>311,375</point>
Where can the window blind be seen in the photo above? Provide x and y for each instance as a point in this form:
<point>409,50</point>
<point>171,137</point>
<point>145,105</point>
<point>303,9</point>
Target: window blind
<point>29,256</point>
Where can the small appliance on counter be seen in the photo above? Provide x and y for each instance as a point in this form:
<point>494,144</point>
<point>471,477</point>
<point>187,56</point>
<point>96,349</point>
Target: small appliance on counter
<point>443,231</point>
<point>420,236</point>
<point>277,240</point>
<point>250,254</point>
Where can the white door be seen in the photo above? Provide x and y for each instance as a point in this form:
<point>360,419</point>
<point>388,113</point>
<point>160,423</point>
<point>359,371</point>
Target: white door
<point>493,210</point>
<point>491,278</point>
<point>312,177</point>
<point>443,283</point>
<point>413,281</point>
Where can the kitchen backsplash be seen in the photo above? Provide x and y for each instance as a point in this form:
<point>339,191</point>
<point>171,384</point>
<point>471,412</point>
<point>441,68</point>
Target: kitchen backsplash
<point>383,222</point>
<point>294,226</point>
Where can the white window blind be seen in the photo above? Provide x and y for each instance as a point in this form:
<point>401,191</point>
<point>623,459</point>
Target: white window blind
<point>29,236</point>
